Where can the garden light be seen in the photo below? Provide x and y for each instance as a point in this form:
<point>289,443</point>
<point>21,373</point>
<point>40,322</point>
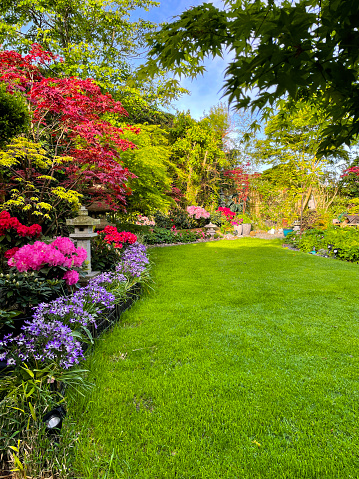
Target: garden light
<point>53,419</point>
<point>330,246</point>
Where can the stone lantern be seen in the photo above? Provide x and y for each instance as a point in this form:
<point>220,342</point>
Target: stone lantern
<point>211,229</point>
<point>83,233</point>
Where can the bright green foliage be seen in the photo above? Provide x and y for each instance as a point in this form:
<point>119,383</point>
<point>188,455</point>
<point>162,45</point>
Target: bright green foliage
<point>198,152</point>
<point>346,240</point>
<point>151,164</point>
<point>292,139</point>
<point>14,116</point>
<point>95,37</point>
<point>240,365</point>
<point>33,189</point>
<point>279,48</point>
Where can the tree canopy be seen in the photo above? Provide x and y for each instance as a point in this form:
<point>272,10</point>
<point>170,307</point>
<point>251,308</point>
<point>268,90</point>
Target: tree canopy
<point>97,39</point>
<point>279,49</point>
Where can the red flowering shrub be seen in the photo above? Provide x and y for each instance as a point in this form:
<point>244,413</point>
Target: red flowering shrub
<point>116,238</point>
<point>227,213</point>
<point>10,252</point>
<point>107,245</point>
<point>8,223</point>
<point>14,235</point>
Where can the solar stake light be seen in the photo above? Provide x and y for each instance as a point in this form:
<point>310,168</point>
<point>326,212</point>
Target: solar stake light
<point>53,419</point>
<point>330,246</point>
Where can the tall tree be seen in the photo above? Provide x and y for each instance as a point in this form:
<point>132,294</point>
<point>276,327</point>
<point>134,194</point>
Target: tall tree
<point>95,38</point>
<point>197,150</point>
<point>291,143</point>
<point>279,48</point>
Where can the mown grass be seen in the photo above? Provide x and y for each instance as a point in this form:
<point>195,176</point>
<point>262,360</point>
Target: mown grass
<point>242,363</point>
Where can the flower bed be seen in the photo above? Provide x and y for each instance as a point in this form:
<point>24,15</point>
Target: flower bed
<point>344,242</point>
<point>51,346</point>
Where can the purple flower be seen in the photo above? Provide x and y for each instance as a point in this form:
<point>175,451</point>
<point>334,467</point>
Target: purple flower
<point>45,342</point>
<point>133,260</point>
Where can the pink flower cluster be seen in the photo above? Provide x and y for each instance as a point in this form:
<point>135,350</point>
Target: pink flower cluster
<point>8,222</point>
<point>61,252</point>
<point>71,277</point>
<point>198,212</point>
<point>143,220</point>
<point>237,222</point>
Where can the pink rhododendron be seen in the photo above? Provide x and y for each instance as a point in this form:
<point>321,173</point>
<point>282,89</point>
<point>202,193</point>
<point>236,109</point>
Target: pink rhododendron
<point>198,212</point>
<point>64,245</point>
<point>71,277</point>
<point>36,256</point>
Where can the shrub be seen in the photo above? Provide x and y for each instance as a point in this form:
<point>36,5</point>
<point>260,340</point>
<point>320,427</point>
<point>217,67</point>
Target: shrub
<point>162,220</point>
<point>27,289</point>
<point>107,246</point>
<point>51,260</point>
<point>176,217</point>
<point>346,240</point>
<point>14,116</point>
<point>200,215</point>
<point>164,236</point>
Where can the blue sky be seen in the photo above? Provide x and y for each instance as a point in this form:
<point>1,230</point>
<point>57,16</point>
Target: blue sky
<point>205,90</point>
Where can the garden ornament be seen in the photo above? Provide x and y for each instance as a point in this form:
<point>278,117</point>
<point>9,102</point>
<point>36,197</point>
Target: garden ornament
<point>83,233</point>
<point>211,229</point>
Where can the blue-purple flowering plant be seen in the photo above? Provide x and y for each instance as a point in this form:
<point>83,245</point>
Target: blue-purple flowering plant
<point>114,283</point>
<point>134,263</point>
<point>43,343</point>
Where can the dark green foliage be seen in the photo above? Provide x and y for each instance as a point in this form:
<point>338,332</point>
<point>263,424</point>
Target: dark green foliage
<point>104,257</point>
<point>7,318</point>
<point>25,290</point>
<point>166,236</point>
<point>181,219</point>
<point>176,217</point>
<point>162,220</point>
<point>345,239</point>
<point>14,116</point>
<point>303,49</point>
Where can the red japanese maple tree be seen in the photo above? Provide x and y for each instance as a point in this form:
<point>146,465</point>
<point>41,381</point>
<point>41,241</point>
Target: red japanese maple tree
<point>69,114</point>
<point>242,181</point>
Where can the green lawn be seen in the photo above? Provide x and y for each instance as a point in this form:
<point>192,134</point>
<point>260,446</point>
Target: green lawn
<point>242,363</point>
